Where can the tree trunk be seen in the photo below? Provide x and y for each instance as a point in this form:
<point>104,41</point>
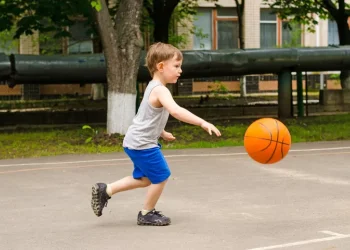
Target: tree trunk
<point>161,29</point>
<point>122,47</point>
<point>240,13</point>
<point>97,89</point>
<point>162,11</point>
<point>344,39</point>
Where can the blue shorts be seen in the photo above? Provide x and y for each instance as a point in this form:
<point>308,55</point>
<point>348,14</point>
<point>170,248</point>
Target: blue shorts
<point>149,163</point>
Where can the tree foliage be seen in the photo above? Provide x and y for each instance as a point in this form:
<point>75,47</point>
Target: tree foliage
<point>303,11</point>
<point>165,16</point>
<point>7,43</point>
<point>52,17</point>
<point>42,15</point>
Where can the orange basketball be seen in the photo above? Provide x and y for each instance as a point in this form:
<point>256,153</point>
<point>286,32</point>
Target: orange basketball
<point>267,140</point>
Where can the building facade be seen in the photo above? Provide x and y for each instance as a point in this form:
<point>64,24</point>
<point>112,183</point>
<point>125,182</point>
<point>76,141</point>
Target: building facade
<point>215,27</point>
<point>262,28</point>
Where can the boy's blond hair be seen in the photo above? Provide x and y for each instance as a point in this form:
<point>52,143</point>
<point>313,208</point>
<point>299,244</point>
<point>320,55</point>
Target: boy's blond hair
<point>159,52</point>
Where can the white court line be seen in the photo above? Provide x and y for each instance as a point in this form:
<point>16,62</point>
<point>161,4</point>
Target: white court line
<point>166,156</point>
<point>317,149</point>
<point>306,177</point>
<point>335,236</point>
<point>331,233</point>
<point>62,162</point>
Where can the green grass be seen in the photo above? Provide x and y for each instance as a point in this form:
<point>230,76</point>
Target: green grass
<point>49,142</point>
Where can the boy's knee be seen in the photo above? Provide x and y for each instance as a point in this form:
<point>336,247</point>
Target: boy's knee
<point>163,178</point>
<point>160,182</point>
<point>145,182</point>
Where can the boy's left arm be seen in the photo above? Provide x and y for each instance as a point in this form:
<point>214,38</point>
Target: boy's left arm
<point>167,136</point>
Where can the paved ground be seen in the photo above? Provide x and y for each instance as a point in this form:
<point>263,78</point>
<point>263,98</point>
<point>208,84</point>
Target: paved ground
<point>217,199</point>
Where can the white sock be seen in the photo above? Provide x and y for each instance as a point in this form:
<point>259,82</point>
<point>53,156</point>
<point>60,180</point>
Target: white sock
<point>109,190</point>
<point>144,212</point>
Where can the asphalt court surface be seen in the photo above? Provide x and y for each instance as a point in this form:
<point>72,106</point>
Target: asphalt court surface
<point>217,199</point>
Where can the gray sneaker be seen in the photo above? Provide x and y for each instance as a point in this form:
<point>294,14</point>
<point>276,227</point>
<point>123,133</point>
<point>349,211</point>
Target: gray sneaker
<point>99,198</point>
<point>153,218</point>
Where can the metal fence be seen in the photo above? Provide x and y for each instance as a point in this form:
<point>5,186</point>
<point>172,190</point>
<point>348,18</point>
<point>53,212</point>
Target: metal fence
<point>230,85</point>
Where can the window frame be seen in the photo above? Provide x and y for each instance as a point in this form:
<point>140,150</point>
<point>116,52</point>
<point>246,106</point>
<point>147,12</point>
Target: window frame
<point>211,35</point>
<point>280,41</point>
<point>276,21</point>
<point>279,27</point>
<point>215,19</point>
<point>68,40</point>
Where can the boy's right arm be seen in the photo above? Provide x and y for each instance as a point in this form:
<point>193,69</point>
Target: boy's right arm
<point>165,98</point>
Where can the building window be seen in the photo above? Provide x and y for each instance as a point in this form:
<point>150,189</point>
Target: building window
<point>333,36</point>
<point>268,29</point>
<point>275,32</point>
<point>202,24</point>
<point>226,32</point>
<point>48,45</point>
<point>216,29</point>
<point>81,40</point>
<point>291,37</point>
<point>8,45</point>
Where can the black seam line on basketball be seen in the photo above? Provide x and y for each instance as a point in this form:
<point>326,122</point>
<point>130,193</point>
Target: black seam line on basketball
<point>270,136</point>
<point>282,147</point>
<point>284,143</point>
<point>274,151</point>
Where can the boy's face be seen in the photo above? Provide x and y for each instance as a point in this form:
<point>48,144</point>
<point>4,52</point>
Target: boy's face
<point>170,69</point>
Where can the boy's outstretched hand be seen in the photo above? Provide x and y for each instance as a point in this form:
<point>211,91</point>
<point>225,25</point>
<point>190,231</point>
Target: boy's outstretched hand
<point>210,128</point>
<point>167,136</point>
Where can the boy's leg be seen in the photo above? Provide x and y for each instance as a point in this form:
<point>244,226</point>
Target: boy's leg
<point>149,216</point>
<point>153,164</point>
<point>153,194</point>
<point>100,195</point>
<point>128,183</point>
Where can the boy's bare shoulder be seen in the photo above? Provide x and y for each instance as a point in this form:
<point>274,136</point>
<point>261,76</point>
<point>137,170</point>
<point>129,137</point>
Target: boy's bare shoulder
<point>161,90</point>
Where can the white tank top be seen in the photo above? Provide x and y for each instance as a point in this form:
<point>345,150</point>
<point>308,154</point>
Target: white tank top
<point>148,123</point>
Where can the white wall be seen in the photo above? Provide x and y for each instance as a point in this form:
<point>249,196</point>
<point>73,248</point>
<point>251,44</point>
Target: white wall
<point>252,25</point>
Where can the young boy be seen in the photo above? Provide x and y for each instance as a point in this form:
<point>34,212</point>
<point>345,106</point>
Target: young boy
<point>141,140</point>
